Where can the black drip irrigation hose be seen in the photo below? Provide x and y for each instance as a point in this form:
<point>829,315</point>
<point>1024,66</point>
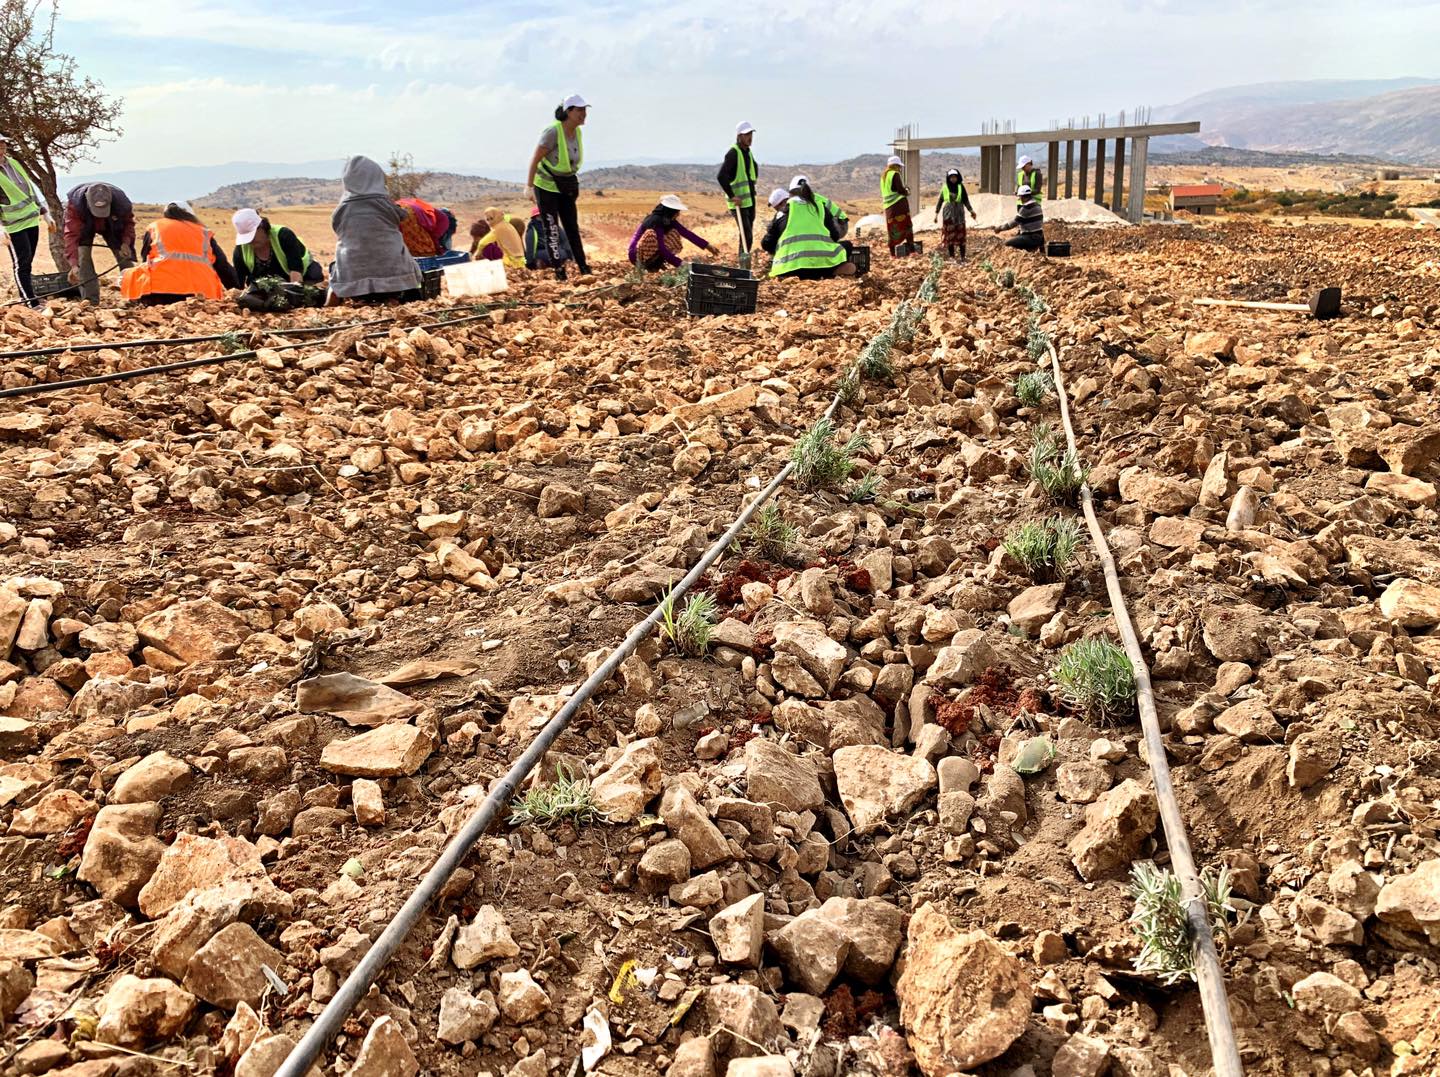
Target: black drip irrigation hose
<point>40,388</point>
<point>319,1035</point>
<point>62,291</point>
<point>167,342</point>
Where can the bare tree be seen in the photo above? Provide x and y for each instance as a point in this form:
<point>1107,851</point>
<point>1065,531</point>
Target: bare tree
<point>401,179</point>
<point>55,115</point>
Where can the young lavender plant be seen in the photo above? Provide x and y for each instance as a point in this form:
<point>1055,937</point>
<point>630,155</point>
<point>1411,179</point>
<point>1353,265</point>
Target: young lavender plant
<point>1095,677</point>
<point>1160,923</point>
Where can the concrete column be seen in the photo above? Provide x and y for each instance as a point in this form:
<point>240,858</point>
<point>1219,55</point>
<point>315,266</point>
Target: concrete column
<point>984,177</point>
<point>1007,169</point>
<point>1118,190</point>
<point>911,171</point>
<point>1052,174</point>
<point>1099,195</point>
<point>1140,151</point>
<point>1069,168</point>
<point>1084,168</point>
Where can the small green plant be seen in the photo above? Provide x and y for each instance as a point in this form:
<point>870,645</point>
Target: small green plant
<point>822,462</point>
<point>1037,341</point>
<point>865,490</point>
<point>875,362</point>
<point>1095,677</point>
<point>848,388</point>
<point>1032,389</point>
<point>676,278</point>
<point>1007,278</point>
<point>1160,922</point>
<point>568,798</point>
<point>1045,548</point>
<point>1059,473</point>
<point>1037,303</point>
<point>231,344</point>
<point>689,631</point>
<point>636,275</point>
<point>774,536</point>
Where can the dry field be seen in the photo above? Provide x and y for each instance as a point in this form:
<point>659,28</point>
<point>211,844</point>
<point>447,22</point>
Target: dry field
<point>269,630</point>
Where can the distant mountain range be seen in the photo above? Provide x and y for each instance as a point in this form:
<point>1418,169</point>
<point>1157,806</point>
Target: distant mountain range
<point>1393,119</point>
<point>442,187</point>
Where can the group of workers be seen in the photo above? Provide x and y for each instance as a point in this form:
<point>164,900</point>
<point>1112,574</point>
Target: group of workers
<point>379,238</point>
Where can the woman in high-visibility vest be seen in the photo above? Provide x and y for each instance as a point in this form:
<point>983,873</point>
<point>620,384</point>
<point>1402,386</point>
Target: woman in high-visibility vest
<point>896,200</point>
<point>804,240</point>
<point>554,184</point>
<point>179,259</point>
<point>262,250</point>
<point>22,208</point>
<point>950,211</point>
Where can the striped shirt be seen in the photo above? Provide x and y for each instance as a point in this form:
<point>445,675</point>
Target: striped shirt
<point>1030,217</point>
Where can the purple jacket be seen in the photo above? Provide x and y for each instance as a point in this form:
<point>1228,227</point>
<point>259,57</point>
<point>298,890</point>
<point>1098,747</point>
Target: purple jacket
<point>665,251</point>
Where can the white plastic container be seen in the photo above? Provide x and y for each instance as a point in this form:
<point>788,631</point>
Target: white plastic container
<point>476,278</point>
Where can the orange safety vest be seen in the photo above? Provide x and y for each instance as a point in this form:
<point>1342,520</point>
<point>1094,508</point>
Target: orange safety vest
<point>181,262</point>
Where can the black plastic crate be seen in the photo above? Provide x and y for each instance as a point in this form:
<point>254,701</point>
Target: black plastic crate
<point>54,286</point>
<point>710,269</point>
<point>709,294</point>
<point>1058,248</point>
<point>860,259</point>
<point>430,283</point>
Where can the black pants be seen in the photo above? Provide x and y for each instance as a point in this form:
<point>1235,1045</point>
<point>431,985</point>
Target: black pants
<point>558,211</point>
<point>1027,241</point>
<point>22,257</point>
<point>747,226</point>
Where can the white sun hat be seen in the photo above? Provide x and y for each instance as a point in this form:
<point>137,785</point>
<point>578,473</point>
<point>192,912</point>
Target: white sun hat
<point>744,128</point>
<point>1024,190</point>
<point>778,197</point>
<point>670,201</point>
<point>247,223</point>
<point>576,101</point>
<point>895,161</point>
<point>1026,162</point>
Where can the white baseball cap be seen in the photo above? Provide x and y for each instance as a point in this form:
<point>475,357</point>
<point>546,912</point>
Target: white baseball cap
<point>952,172</point>
<point>1025,161</point>
<point>895,161</point>
<point>1024,190</point>
<point>247,223</point>
<point>744,128</point>
<point>576,101</point>
<point>796,181</point>
<point>671,201</point>
<point>778,197</point>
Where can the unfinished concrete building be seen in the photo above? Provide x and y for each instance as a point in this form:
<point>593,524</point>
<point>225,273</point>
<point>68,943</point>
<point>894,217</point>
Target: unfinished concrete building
<point>998,155</point>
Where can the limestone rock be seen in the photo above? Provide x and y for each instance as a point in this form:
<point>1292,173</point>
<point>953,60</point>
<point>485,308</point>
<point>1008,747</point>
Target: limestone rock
<point>122,851</point>
<point>193,922</point>
<point>227,970</point>
<point>1413,901</point>
<point>1032,607</point>
<point>1411,603</point>
<point>968,656</point>
<point>54,813</point>
<point>874,929</point>
<point>1324,992</point>
<point>738,931</point>
<point>687,820</point>
<point>521,998</point>
<point>198,863</point>
<point>663,865</point>
<point>1081,1056</point>
<point>391,751</point>
<point>357,701</point>
<point>774,775</point>
<point>1115,827</point>
<point>963,998</point>
<point>693,1058</point>
<point>1312,756</point>
<point>557,499</point>
<point>197,631</point>
<point>135,1013</point>
<point>385,1052</point>
<point>812,950</point>
<point>485,938</point>
<point>766,1066</point>
<point>1158,494</point>
<point>464,1016</point>
<point>1234,633</point>
<point>744,1010</point>
<point>1251,721</point>
<point>624,789</point>
<point>1082,782</point>
<point>821,656</point>
<point>875,782</point>
<point>158,775</point>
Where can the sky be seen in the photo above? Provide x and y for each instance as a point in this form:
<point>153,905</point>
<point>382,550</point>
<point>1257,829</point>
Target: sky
<point>468,86</point>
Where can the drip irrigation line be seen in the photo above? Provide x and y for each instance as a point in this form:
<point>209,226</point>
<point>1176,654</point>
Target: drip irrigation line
<point>1209,975</point>
<point>212,360</point>
<point>319,1035</point>
<point>163,342</point>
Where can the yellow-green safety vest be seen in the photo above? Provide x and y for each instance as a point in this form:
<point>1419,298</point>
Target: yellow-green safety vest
<point>742,187</point>
<point>1031,180</point>
<point>805,244</point>
<point>248,253</point>
<point>952,196</point>
<point>834,208</point>
<point>545,173</point>
<point>21,209</point>
<point>887,188</point>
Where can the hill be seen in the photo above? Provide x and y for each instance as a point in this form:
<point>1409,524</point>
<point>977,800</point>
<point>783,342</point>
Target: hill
<point>442,187</point>
<point>1392,119</point>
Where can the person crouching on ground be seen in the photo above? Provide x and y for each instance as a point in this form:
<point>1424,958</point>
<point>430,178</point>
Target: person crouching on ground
<point>497,236</point>
<point>657,241</point>
<point>180,259</point>
<point>97,211</point>
<point>262,250</point>
<point>805,242</point>
<point>371,261</point>
<point>1030,219</point>
<point>950,211</point>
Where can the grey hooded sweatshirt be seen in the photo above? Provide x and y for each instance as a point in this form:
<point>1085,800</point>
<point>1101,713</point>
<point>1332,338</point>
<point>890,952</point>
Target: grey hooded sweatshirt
<point>370,257</point>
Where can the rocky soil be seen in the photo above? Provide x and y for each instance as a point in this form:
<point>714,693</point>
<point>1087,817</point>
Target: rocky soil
<point>270,630</point>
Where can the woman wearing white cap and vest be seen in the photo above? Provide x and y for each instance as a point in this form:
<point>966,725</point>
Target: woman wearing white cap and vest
<point>554,184</point>
<point>1027,175</point>
<point>896,200</point>
<point>950,211</point>
<point>804,240</point>
<point>262,250</point>
<point>22,208</point>
<point>737,176</point>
